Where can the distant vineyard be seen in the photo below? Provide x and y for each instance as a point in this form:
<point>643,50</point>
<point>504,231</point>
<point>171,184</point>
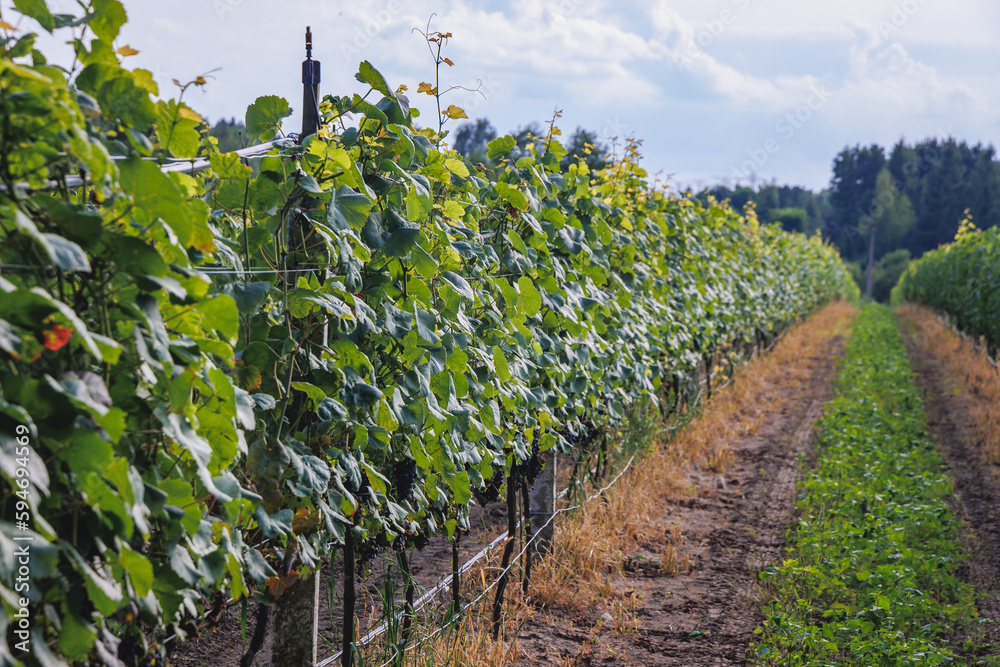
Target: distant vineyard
<point>961,279</point>
<point>212,380</point>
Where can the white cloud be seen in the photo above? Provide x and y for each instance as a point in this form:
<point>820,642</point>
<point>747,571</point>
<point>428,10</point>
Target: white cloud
<point>614,63</point>
<point>886,82</point>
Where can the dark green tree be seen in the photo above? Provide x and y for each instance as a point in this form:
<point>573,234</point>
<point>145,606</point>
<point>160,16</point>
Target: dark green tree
<point>230,134</point>
<point>791,219</point>
<point>471,139</point>
<point>852,193</point>
<point>586,145</point>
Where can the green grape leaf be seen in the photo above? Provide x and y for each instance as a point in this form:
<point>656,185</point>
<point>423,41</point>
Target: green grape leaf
<point>109,17</point>
<point>426,323</point>
<point>38,10</point>
<point>76,637</point>
<point>122,100</point>
<point>264,116</point>
<point>531,299</point>
<point>500,146</point>
<point>367,74</point>
<point>460,284</point>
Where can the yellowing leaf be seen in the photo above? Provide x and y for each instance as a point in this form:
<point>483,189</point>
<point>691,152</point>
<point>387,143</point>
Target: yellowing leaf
<point>305,520</point>
<point>126,51</point>
<point>453,210</point>
<point>448,62</point>
<point>454,112</point>
<point>190,114</point>
<point>427,88</point>
<point>144,79</point>
<point>457,167</point>
<point>6,26</point>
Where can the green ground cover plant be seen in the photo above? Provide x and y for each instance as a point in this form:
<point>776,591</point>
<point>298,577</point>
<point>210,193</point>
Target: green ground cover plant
<point>871,575</point>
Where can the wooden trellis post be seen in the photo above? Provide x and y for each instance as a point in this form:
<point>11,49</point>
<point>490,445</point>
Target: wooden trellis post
<point>296,625</point>
<point>543,506</point>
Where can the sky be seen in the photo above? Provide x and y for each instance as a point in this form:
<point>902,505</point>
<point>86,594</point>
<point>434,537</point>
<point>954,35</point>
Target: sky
<point>719,91</point>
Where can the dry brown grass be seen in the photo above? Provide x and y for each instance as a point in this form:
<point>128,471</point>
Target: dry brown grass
<point>592,544</point>
<point>970,374</point>
<point>467,643</point>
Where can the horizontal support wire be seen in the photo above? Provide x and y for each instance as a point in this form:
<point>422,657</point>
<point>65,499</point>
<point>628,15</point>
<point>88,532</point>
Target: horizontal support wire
<point>445,583</point>
<point>183,165</point>
<point>946,320</point>
<point>215,271</point>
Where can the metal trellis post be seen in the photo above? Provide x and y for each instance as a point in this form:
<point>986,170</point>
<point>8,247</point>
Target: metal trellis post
<point>296,612</point>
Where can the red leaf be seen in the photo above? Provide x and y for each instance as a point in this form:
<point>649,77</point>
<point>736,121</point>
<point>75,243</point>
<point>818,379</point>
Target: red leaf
<point>278,585</point>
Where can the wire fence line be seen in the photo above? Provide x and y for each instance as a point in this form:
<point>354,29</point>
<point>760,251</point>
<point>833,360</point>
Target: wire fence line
<point>445,583</point>
<point>946,320</point>
<point>182,165</point>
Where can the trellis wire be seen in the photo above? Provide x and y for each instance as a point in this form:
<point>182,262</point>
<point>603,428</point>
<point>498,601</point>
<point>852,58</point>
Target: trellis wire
<point>946,320</point>
<point>186,165</point>
<point>445,583</point>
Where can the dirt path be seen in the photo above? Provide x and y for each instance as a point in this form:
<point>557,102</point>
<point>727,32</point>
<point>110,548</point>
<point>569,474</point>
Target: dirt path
<point>952,423</point>
<point>702,609</point>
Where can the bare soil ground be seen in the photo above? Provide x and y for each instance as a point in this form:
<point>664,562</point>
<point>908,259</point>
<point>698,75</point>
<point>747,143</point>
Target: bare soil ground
<point>955,401</point>
<point>691,598</point>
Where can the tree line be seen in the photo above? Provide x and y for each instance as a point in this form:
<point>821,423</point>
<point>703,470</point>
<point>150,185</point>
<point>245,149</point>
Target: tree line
<point>914,197</point>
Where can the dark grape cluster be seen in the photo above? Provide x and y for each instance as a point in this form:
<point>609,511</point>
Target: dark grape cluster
<point>534,464</point>
<point>132,651</point>
<point>419,540</point>
<point>403,474</point>
<point>364,492</point>
<point>365,554</point>
<point>491,491</point>
<point>582,438</point>
<point>154,658</point>
<point>529,469</point>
